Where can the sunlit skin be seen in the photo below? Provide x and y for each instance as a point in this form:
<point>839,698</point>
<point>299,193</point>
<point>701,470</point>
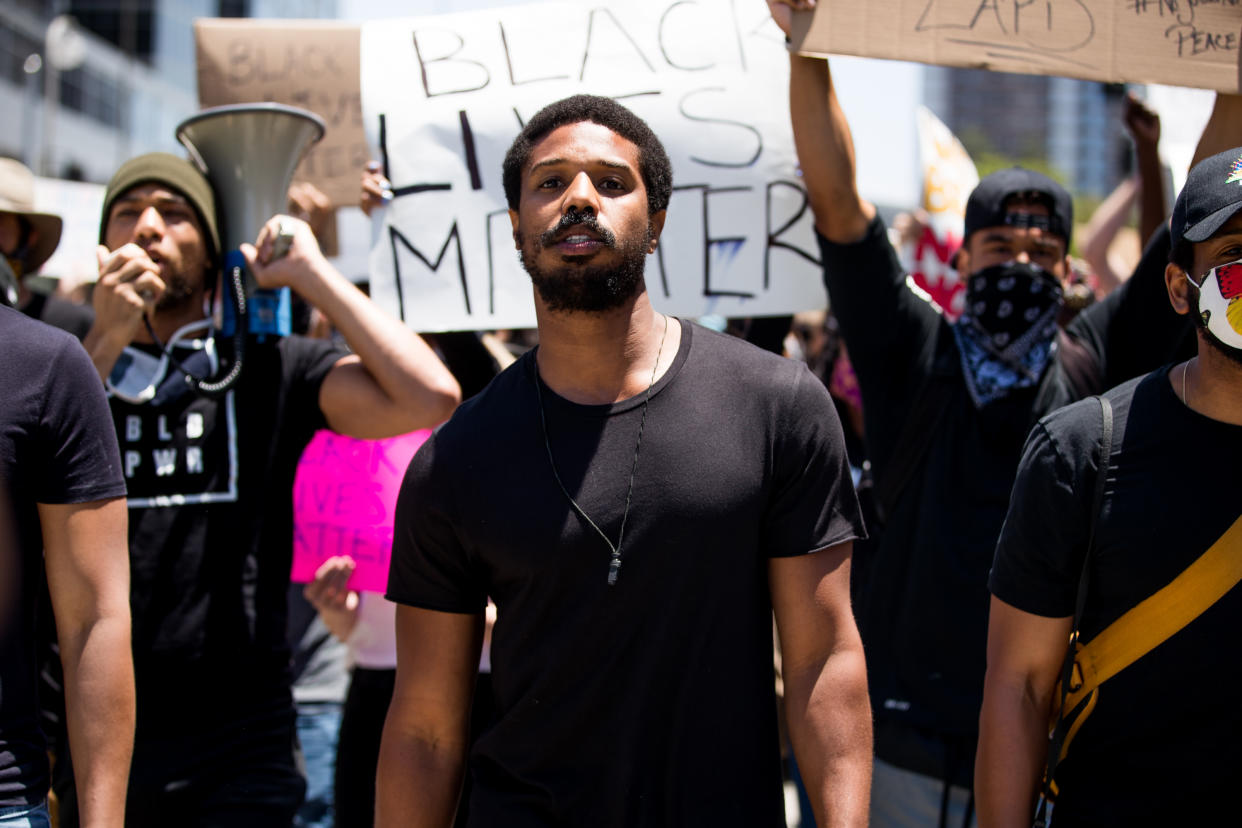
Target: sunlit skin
<point>154,244</point>
<point>587,167</point>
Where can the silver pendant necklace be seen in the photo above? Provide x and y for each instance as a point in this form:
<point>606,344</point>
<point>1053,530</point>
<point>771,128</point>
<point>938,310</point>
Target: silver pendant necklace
<point>614,564</point>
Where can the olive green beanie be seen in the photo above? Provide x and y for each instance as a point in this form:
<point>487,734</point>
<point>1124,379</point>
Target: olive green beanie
<point>176,173</point>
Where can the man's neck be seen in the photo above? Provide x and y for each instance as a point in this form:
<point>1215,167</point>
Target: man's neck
<point>1214,385</point>
<point>167,322</point>
<point>602,358</point>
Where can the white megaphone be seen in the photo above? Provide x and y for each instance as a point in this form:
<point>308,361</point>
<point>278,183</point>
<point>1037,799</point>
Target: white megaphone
<point>249,152</point>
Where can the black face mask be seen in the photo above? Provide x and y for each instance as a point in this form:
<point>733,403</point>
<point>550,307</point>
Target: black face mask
<point>1013,304</point>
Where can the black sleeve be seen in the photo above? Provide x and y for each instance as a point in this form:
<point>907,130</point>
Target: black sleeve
<point>891,328</point>
<point>1040,552</point>
<point>430,568</point>
<point>307,362</point>
<point>82,460</point>
<point>813,504</point>
<point>1134,329</point>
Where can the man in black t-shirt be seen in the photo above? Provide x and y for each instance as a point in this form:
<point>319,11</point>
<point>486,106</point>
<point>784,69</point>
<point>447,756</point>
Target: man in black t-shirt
<point>1160,745</point>
<point>210,483</point>
<point>62,513</point>
<point>637,496</point>
<point>946,409</point>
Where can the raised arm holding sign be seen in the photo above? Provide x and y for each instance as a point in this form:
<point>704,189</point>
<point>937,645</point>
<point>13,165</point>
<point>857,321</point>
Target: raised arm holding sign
<point>946,407</point>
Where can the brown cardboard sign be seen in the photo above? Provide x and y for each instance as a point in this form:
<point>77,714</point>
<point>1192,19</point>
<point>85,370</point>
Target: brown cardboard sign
<point>1177,42</point>
<point>311,64</point>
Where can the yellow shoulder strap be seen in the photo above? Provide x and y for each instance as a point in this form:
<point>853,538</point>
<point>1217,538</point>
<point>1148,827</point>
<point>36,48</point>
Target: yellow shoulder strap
<point>1159,617</point>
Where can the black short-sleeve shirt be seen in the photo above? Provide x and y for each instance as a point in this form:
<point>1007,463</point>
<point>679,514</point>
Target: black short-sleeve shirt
<point>649,702</point>
<point>56,447</point>
<point>1161,745</point>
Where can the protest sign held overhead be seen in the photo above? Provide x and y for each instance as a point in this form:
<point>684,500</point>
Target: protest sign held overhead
<point>444,96</point>
<point>305,63</point>
<point>1179,42</point>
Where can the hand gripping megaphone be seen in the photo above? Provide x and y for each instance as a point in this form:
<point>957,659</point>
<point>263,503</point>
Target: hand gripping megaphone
<point>249,152</point>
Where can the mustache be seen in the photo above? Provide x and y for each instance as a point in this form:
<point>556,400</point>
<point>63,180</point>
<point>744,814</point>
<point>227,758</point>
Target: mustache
<point>572,218</point>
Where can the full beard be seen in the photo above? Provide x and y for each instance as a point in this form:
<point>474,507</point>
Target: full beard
<point>178,293</point>
<point>582,287</point>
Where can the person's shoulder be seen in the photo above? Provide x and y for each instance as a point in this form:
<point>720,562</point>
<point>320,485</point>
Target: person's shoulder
<point>736,354</point>
<point>495,401</point>
<point>24,335</point>
<point>1077,427</point>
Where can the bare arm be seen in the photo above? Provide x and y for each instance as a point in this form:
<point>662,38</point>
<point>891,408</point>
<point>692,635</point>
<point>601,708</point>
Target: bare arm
<point>393,383</point>
<point>826,705</point>
<point>1144,126</point>
<point>1025,653</point>
<point>423,752</point>
<point>1224,128</point>
<point>87,558</point>
<point>823,141</point>
<point>1102,229</point>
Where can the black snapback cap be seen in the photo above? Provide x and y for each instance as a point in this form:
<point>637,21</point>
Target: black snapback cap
<point>986,205</point>
<point>1213,193</point>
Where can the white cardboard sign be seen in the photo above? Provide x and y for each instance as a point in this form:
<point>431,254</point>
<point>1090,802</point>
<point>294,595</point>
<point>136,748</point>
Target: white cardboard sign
<point>444,96</point>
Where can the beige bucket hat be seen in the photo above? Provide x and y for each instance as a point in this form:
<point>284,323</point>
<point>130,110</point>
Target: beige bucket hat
<point>17,196</point>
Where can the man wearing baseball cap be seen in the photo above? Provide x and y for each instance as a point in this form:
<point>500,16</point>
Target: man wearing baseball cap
<point>1160,746</point>
<point>946,408</point>
<point>209,474</point>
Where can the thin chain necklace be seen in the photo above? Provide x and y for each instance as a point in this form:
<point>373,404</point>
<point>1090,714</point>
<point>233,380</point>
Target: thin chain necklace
<point>1185,368</point>
<point>614,565</point>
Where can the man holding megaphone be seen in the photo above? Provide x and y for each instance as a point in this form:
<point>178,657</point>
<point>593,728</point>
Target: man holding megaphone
<point>210,476</point>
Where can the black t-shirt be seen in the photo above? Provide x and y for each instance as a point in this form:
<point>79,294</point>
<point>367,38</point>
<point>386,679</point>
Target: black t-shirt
<point>923,610</point>
<point>56,446</point>
<point>210,527</point>
<point>1161,746</point>
<point>60,313</point>
<point>651,702</point>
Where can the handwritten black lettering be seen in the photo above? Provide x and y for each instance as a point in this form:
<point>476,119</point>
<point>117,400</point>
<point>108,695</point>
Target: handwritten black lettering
<point>1034,26</point>
<point>1193,41</point>
<point>774,240</point>
<point>731,245</point>
<point>504,42</point>
<point>424,63</point>
<point>254,62</point>
<point>453,238</point>
<point>661,36</point>
<point>586,52</point>
<point>754,135</point>
<point>491,258</point>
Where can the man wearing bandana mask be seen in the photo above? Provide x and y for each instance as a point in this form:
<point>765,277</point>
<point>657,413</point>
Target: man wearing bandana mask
<point>1175,451</point>
<point>946,408</point>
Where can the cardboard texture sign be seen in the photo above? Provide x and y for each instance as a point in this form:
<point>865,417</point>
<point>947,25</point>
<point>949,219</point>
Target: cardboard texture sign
<point>310,64</point>
<point>1177,42</point>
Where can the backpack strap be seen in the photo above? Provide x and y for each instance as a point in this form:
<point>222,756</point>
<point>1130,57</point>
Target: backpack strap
<point>1057,740</point>
<point>1158,617</point>
<point>1140,630</point>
